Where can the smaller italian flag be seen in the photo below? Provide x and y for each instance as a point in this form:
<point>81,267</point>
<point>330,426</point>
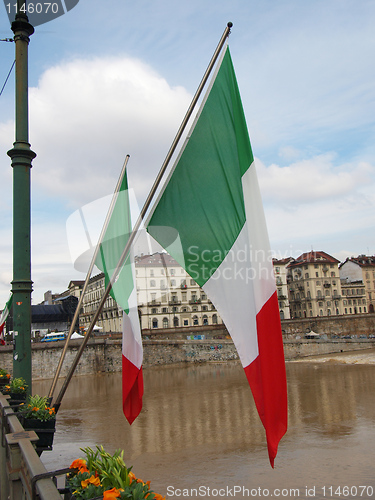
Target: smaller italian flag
<point>125,294</point>
<point>3,318</point>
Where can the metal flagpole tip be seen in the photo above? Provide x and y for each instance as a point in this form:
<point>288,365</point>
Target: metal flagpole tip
<point>230,24</point>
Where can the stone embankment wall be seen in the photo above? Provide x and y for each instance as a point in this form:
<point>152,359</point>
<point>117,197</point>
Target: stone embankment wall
<point>172,346</point>
<point>104,355</point>
<point>358,324</point>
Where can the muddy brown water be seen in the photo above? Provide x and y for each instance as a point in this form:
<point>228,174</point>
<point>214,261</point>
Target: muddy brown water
<point>199,435</point>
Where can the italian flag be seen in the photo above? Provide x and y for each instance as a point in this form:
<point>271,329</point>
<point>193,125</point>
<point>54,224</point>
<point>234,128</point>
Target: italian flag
<point>212,199</point>
<point>3,318</point>
<point>124,292</point>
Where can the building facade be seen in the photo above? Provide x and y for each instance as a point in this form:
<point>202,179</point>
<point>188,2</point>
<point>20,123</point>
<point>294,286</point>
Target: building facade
<point>168,297</point>
<point>361,270</point>
<point>353,297</point>
<point>314,285</point>
<point>311,285</point>
<point>280,271</point>
<point>110,318</point>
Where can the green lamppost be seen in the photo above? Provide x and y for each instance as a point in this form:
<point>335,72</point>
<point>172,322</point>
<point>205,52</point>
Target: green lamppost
<point>21,156</point>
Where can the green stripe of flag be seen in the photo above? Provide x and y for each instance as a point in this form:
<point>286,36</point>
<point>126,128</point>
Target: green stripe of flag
<point>112,246</point>
<point>204,197</point>
<point>7,309</point>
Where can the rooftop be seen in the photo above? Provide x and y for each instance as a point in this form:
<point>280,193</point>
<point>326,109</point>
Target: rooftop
<point>313,257</point>
<point>362,260</point>
<point>156,260</point>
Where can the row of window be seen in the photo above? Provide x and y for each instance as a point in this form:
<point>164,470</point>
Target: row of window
<point>349,310</point>
<point>175,309</point>
<point>164,284</point>
<point>319,294</point>
<point>87,308</point>
<point>161,271</point>
<point>185,322</point>
<point>359,310</point>
<point>353,291</point>
<point>354,301</point>
<point>329,313</point>
<point>174,297</point>
<point>296,277</point>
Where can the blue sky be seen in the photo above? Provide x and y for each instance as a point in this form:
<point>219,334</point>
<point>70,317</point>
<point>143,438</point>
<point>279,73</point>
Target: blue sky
<point>116,77</point>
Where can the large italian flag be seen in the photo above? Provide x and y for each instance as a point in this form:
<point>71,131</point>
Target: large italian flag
<point>125,294</point>
<point>212,199</point>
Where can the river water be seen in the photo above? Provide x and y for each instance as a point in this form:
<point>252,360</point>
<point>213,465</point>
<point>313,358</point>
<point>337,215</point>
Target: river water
<point>199,435</point>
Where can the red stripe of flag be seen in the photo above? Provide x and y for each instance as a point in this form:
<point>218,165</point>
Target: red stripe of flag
<point>270,392</point>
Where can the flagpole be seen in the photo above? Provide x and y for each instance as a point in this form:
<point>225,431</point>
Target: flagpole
<point>88,275</point>
<point>143,212</point>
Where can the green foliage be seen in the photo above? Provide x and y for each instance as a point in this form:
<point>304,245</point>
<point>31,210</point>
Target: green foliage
<point>111,472</point>
<point>18,385</point>
<point>138,492</point>
<point>4,374</point>
<point>91,491</point>
<point>36,407</point>
<point>111,469</point>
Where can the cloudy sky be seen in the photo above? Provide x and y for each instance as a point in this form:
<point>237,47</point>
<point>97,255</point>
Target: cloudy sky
<point>111,78</point>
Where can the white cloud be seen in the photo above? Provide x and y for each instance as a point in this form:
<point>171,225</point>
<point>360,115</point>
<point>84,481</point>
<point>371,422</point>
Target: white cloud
<point>289,153</point>
<point>315,179</point>
<point>315,203</point>
<point>86,115</point>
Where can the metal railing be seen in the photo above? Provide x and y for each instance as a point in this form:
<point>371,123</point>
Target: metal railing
<point>22,474</point>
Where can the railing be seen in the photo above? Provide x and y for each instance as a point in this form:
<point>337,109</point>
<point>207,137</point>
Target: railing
<point>22,474</point>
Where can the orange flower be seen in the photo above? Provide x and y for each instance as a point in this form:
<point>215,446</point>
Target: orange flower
<point>137,480</point>
<point>79,464</point>
<point>91,480</point>
<point>111,494</point>
<point>156,496</point>
<point>132,477</point>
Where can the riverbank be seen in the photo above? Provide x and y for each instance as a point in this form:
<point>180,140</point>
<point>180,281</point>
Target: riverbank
<point>104,355</point>
<point>363,357</point>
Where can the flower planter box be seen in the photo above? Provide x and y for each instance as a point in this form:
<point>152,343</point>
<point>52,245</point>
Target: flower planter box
<point>3,382</point>
<point>45,431</point>
<point>16,398</point>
